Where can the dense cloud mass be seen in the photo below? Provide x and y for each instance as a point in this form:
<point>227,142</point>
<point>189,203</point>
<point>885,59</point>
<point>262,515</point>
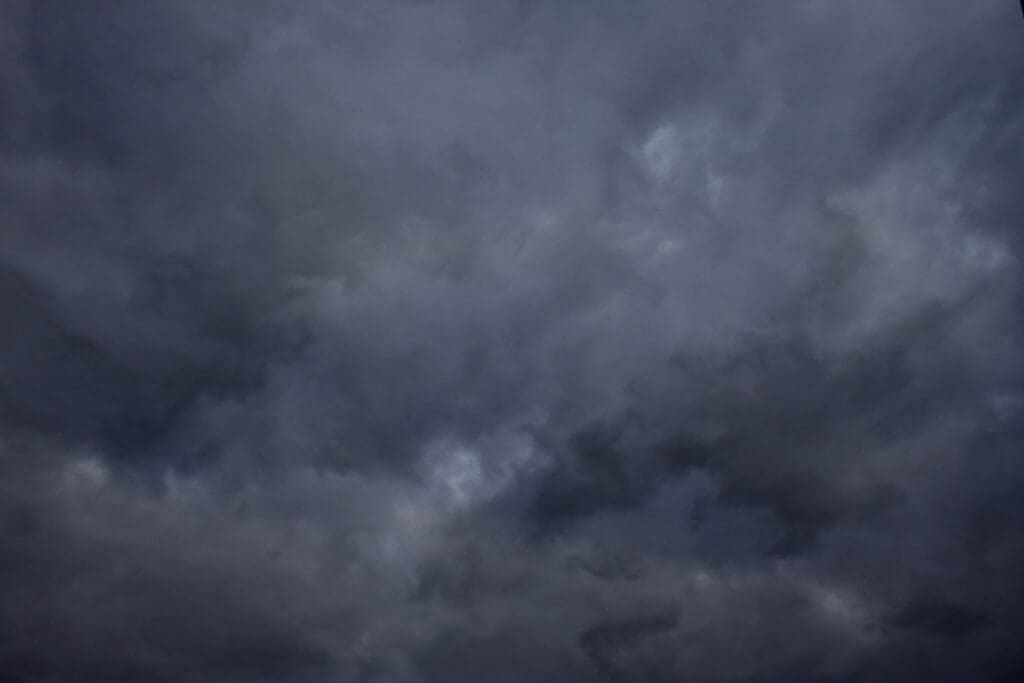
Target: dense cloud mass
<point>528,340</point>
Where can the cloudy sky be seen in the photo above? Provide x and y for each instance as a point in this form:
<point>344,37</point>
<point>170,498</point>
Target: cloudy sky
<point>412,341</point>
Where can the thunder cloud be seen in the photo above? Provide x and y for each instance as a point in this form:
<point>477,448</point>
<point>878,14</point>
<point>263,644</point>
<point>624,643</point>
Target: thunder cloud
<point>418,341</point>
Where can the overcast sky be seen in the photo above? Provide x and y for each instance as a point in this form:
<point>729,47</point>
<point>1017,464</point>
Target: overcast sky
<point>515,341</point>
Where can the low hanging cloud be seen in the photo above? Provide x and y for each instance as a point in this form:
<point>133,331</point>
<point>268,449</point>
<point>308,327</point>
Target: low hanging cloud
<point>521,341</point>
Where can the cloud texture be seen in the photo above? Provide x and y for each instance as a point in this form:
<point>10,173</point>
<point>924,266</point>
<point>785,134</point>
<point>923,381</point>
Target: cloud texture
<point>411,341</point>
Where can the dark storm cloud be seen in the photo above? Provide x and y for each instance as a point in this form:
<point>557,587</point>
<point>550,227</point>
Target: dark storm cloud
<point>515,341</point>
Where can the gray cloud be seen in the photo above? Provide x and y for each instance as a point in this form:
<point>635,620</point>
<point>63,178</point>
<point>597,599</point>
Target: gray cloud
<point>558,341</point>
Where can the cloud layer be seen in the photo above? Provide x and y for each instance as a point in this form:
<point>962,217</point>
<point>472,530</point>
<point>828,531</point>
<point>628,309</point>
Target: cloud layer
<point>518,341</point>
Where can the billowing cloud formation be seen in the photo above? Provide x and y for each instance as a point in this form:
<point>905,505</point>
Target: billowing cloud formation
<point>511,341</point>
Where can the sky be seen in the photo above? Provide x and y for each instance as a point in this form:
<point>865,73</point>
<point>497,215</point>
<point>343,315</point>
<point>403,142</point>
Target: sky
<point>413,341</point>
